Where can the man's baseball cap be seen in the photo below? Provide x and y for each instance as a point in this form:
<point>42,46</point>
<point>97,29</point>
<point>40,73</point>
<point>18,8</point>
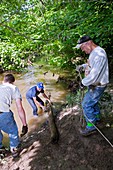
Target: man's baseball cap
<point>82,40</point>
<point>40,85</point>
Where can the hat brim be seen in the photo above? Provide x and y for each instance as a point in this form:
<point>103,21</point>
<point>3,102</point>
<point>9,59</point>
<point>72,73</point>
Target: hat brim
<point>40,87</point>
<point>78,46</point>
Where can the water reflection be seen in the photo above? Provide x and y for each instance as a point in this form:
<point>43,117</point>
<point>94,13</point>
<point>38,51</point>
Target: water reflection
<point>24,82</point>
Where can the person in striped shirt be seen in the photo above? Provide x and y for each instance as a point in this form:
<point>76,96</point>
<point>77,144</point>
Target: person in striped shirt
<point>96,80</point>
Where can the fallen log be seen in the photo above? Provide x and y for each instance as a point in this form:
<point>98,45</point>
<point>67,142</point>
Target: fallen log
<point>52,124</point>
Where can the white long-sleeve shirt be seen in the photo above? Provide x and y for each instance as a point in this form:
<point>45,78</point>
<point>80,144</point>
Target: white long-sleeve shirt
<point>99,71</point>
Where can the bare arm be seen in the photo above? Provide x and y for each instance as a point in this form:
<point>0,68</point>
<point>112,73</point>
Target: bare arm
<point>21,111</point>
<point>36,102</point>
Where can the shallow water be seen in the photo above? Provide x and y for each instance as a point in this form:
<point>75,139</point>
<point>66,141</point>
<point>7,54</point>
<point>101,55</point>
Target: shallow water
<point>24,81</point>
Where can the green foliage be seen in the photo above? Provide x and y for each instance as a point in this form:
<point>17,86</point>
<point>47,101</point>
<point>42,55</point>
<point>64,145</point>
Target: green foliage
<point>104,102</point>
<point>74,99</point>
<point>50,29</point>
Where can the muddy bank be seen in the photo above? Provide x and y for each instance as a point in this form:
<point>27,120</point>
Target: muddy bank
<point>73,152</point>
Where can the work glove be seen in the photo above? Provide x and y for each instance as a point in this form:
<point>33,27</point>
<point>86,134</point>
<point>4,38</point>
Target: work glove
<point>79,68</point>
<point>24,130</point>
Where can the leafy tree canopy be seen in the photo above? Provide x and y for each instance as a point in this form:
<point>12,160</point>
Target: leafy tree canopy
<point>50,29</point>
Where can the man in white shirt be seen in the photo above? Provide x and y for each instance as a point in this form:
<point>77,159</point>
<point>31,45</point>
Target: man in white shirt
<point>96,80</point>
<point>8,93</point>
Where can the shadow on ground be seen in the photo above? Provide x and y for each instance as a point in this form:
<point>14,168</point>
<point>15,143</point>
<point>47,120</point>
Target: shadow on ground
<point>73,152</point>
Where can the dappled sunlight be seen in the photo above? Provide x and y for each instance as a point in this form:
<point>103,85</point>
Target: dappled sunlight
<point>76,110</point>
<point>111,90</point>
<point>27,155</point>
<point>73,111</point>
<point>33,148</point>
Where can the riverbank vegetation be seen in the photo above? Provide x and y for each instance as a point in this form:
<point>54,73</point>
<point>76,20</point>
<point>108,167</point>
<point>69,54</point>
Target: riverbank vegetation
<point>48,30</point>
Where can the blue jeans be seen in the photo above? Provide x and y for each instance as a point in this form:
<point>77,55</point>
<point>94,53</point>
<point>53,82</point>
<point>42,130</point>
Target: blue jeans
<point>8,125</point>
<point>33,105</point>
<point>90,103</point>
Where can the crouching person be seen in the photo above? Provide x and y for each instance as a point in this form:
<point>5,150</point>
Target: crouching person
<point>8,93</point>
<point>34,100</point>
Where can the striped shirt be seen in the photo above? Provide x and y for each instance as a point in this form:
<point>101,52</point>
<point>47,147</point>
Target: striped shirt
<point>8,93</point>
<point>99,72</point>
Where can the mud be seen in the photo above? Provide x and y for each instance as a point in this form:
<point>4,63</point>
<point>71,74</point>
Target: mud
<point>73,152</point>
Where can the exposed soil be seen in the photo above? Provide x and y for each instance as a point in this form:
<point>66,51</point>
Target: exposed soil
<point>73,152</point>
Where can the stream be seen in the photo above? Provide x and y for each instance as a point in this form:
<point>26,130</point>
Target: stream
<point>26,80</point>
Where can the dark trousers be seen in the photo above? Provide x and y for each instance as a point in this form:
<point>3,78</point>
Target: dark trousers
<point>33,105</point>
